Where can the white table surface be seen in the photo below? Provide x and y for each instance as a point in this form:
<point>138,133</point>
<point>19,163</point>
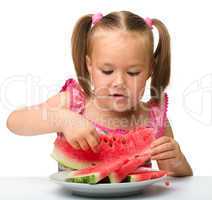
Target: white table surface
<point>39,188</point>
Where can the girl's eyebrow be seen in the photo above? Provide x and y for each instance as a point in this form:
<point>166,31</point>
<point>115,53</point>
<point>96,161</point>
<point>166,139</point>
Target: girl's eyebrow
<point>130,66</point>
<point>107,64</point>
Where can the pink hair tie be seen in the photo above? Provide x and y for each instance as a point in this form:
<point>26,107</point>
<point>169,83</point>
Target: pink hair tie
<point>96,18</point>
<point>149,22</point>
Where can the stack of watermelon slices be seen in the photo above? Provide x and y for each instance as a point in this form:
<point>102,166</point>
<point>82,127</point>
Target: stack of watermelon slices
<point>118,158</point>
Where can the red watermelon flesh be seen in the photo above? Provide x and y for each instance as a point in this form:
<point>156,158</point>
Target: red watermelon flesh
<point>111,147</point>
<point>117,170</point>
<point>93,175</point>
<point>145,175</point>
<point>120,174</point>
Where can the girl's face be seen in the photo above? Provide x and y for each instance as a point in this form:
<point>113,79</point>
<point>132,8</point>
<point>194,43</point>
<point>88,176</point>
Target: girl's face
<point>119,64</point>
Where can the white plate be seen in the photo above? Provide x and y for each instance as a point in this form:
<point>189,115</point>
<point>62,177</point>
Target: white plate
<point>101,189</point>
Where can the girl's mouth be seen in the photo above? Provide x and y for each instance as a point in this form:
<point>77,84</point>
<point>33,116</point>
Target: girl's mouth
<point>119,96</point>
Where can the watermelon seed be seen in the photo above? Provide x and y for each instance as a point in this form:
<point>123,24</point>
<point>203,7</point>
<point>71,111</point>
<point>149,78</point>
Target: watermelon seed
<point>123,141</point>
<point>137,156</point>
<point>114,139</point>
<point>111,145</point>
<point>93,164</point>
<point>105,140</point>
<point>126,161</point>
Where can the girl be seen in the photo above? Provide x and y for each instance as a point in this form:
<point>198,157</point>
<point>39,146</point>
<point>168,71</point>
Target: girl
<point>113,57</point>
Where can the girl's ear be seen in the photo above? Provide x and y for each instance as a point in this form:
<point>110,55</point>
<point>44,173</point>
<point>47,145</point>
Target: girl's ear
<point>88,63</point>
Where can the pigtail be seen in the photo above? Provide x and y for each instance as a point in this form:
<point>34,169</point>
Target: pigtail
<point>161,62</point>
<point>79,50</point>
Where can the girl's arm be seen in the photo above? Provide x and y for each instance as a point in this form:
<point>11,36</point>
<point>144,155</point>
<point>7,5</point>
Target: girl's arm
<point>46,117</point>
<point>169,156</point>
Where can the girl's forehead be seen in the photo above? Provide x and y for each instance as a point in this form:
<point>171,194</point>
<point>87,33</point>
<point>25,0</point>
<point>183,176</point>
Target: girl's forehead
<point>111,36</point>
<point>123,45</point>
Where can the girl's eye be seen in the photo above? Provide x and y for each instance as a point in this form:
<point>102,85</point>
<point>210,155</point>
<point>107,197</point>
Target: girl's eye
<point>107,72</point>
<point>133,73</point>
<point>130,73</point>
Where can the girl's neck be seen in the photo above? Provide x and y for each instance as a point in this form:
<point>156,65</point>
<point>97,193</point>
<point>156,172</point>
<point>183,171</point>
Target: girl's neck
<point>110,114</point>
<point>113,119</point>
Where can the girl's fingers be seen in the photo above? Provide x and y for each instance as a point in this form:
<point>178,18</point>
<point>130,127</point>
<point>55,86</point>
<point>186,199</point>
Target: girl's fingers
<point>164,155</point>
<point>95,134</point>
<point>160,141</point>
<point>75,144</point>
<point>83,144</point>
<point>93,142</point>
<point>162,148</point>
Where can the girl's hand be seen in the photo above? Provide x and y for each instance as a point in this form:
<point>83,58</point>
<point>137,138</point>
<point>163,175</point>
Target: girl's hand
<point>79,132</point>
<point>165,148</point>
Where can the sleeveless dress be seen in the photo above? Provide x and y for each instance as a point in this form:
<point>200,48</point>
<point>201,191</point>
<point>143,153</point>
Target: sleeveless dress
<point>157,114</point>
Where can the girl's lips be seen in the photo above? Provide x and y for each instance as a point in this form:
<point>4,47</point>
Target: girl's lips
<point>118,97</point>
<point>117,94</point>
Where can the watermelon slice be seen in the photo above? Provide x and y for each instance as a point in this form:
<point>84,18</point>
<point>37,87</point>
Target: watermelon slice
<point>118,155</point>
<point>110,147</point>
<point>117,170</point>
<point>120,174</point>
<point>145,175</point>
<point>95,174</point>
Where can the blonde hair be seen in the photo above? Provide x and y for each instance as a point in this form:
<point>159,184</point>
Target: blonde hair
<point>83,34</point>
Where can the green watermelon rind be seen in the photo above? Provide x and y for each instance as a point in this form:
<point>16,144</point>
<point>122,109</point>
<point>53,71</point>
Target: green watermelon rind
<point>131,179</point>
<point>67,162</point>
<point>92,178</point>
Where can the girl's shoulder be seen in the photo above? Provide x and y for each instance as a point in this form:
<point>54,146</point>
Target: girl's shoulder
<point>76,95</point>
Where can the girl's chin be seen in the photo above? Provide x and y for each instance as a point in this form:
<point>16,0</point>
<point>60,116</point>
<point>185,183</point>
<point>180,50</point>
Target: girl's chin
<point>118,105</point>
<point>122,107</point>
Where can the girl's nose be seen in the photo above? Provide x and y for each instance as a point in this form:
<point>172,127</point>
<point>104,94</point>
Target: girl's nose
<point>119,80</point>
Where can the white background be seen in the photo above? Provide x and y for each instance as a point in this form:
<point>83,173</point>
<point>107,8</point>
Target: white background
<point>35,61</point>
